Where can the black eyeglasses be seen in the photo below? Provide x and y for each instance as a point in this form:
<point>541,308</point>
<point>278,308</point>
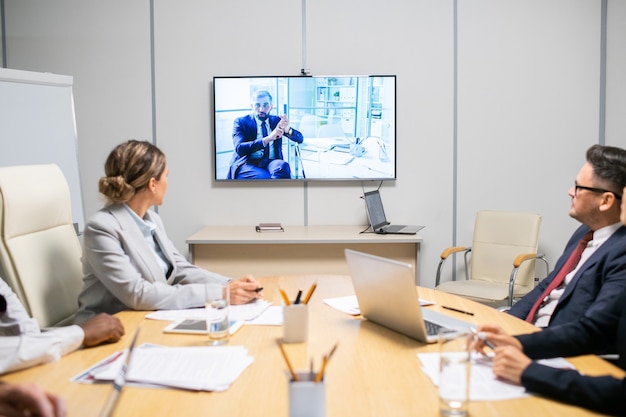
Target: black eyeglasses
<point>595,190</point>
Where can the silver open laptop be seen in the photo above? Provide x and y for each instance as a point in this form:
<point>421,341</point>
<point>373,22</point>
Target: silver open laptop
<point>378,220</point>
<point>387,295</point>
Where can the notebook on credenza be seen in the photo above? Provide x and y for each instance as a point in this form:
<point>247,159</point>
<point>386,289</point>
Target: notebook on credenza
<point>378,220</point>
<point>387,295</point>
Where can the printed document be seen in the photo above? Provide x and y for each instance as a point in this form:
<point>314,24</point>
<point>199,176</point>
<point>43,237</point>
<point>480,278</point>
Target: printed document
<point>350,305</point>
<point>201,368</point>
<point>238,312</point>
<point>484,386</point>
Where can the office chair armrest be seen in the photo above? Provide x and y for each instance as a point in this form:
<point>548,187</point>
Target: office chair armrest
<point>453,249</point>
<point>523,258</point>
<point>519,260</point>
<point>445,254</point>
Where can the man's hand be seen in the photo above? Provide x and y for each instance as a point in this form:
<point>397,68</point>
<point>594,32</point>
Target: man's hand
<point>29,400</point>
<point>244,290</point>
<point>284,123</point>
<point>102,328</point>
<point>497,336</point>
<point>277,133</point>
<point>509,364</point>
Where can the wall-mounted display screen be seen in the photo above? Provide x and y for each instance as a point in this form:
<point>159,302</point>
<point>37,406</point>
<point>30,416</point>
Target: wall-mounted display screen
<point>305,128</point>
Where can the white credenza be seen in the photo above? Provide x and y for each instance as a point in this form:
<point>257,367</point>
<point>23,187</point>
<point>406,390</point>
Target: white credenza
<point>239,250</point>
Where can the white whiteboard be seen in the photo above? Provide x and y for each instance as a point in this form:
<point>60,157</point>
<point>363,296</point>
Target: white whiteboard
<point>37,126</point>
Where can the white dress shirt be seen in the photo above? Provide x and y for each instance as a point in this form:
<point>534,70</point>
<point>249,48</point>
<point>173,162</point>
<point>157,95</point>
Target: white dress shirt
<point>148,229</point>
<point>547,308</point>
<point>23,344</point>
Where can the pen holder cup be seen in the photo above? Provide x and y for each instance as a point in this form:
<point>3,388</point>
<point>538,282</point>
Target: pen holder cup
<point>356,149</point>
<point>306,397</point>
<point>295,323</point>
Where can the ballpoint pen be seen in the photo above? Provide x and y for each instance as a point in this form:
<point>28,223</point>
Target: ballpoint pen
<point>298,297</point>
<point>469,313</point>
<point>481,336</point>
<point>119,381</point>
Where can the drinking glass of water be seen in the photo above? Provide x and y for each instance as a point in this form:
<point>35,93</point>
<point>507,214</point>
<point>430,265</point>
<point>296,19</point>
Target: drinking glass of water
<point>216,306</point>
<point>454,372</point>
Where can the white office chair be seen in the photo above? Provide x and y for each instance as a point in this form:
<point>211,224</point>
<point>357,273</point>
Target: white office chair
<point>308,126</point>
<point>503,254</point>
<point>331,131</point>
<point>39,249</point>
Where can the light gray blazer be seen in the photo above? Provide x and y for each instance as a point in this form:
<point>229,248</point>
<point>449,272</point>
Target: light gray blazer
<point>121,271</point>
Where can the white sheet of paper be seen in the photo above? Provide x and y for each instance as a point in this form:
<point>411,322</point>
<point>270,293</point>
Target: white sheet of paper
<point>273,316</point>
<point>484,386</point>
<point>207,368</point>
<point>210,368</point>
<point>237,312</point>
<point>350,305</point>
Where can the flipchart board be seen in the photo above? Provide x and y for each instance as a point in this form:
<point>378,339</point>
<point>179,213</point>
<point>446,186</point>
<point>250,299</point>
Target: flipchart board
<point>37,126</point>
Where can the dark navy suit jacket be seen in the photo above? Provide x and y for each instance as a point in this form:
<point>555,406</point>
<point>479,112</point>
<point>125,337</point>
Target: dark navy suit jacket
<point>594,286</point>
<point>589,334</point>
<point>246,143</point>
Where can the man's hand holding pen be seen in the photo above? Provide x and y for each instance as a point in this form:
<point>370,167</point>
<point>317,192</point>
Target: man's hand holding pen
<point>284,125</point>
<point>282,128</point>
<point>493,336</point>
<point>509,361</point>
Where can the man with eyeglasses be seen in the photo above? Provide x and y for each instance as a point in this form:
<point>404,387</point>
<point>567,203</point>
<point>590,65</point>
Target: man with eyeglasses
<point>516,357</point>
<point>257,139</point>
<point>586,285</point>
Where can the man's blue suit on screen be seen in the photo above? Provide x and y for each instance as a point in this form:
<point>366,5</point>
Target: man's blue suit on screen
<point>247,145</point>
<point>601,278</point>
<point>600,393</point>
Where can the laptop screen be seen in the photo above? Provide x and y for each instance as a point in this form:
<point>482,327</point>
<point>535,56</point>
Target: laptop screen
<point>375,211</point>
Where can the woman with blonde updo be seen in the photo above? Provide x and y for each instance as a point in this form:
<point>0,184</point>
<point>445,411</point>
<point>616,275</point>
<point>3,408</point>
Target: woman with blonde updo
<point>128,260</point>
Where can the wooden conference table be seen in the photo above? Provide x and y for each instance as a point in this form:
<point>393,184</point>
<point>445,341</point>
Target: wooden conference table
<point>374,371</point>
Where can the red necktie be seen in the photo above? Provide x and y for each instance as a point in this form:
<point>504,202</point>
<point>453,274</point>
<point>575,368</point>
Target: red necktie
<point>568,267</point>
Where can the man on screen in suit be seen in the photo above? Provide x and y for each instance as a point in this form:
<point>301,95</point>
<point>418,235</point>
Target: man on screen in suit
<point>257,139</point>
<point>598,275</point>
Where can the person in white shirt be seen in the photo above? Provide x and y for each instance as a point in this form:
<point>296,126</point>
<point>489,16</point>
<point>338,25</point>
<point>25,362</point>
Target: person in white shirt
<point>23,344</point>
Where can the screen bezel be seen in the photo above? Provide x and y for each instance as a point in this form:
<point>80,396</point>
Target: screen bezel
<point>363,108</point>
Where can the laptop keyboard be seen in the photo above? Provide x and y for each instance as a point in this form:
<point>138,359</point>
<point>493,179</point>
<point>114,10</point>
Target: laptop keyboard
<point>393,228</point>
<point>432,329</point>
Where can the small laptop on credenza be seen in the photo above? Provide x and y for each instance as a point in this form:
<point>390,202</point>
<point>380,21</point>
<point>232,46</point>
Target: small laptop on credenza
<point>386,292</point>
<point>378,220</point>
